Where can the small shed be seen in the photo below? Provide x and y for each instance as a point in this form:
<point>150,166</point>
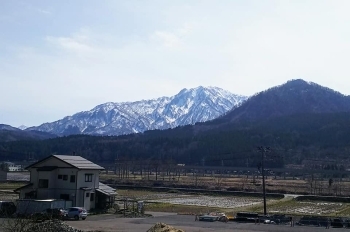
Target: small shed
<point>30,206</point>
<point>105,196</point>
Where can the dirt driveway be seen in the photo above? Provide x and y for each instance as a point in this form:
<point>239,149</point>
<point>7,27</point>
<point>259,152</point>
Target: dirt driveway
<point>185,222</point>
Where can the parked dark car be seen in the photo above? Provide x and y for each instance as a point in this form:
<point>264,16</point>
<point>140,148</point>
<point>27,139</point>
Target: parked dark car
<point>208,218</point>
<point>347,223</point>
<point>337,223</point>
<point>280,218</point>
<point>48,214</point>
<point>7,208</point>
<point>247,217</point>
<point>313,221</point>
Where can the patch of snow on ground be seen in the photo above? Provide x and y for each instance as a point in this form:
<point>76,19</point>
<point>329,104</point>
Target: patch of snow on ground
<point>18,176</point>
<point>210,201</point>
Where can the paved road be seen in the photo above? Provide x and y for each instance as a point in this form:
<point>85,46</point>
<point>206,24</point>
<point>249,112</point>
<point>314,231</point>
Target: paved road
<point>112,223</point>
<point>185,222</point>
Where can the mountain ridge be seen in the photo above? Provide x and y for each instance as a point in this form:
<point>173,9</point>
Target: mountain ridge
<point>298,120</point>
<point>189,106</point>
<point>293,97</point>
<point>9,133</point>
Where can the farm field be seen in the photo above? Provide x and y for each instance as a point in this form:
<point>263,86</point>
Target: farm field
<point>250,182</point>
<point>183,203</point>
<point>190,202</point>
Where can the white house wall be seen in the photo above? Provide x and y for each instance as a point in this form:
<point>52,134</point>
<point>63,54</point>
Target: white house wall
<point>66,184</point>
<point>49,162</point>
<point>85,201</point>
<point>45,193</point>
<point>95,179</point>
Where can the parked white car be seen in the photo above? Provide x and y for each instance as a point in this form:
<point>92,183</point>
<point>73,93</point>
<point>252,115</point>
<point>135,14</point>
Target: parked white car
<point>76,213</point>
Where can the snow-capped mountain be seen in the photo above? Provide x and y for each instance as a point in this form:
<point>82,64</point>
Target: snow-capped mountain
<point>22,127</point>
<point>187,107</point>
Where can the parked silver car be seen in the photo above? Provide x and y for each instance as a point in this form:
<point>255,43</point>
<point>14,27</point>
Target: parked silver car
<point>76,213</point>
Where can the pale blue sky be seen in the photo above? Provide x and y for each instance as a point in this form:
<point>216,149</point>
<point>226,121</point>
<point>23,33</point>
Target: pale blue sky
<point>61,57</point>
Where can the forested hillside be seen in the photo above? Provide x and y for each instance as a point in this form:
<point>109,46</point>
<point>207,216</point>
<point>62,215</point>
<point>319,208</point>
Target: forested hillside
<point>291,138</point>
<point>298,120</point>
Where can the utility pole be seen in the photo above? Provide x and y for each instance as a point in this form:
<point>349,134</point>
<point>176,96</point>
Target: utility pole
<point>263,150</point>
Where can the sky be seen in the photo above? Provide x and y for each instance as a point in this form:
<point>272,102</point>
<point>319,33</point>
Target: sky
<point>58,58</point>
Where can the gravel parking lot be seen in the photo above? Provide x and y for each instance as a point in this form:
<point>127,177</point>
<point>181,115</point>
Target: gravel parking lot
<point>185,222</point>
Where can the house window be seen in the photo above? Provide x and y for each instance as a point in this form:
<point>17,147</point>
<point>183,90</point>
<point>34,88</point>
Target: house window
<point>65,177</point>
<point>30,195</point>
<point>64,197</point>
<point>88,177</point>
<point>72,179</point>
<point>43,183</point>
<point>59,176</point>
<point>87,194</point>
<point>92,197</point>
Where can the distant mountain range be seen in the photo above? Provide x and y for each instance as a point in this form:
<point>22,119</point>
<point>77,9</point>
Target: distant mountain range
<point>189,106</point>
<point>9,133</point>
<point>299,120</point>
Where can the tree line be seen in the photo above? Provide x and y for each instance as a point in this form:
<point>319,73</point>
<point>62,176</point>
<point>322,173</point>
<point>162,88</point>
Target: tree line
<point>292,139</point>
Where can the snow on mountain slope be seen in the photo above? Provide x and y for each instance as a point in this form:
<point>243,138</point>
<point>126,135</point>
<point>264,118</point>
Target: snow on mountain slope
<point>22,127</point>
<point>187,107</point>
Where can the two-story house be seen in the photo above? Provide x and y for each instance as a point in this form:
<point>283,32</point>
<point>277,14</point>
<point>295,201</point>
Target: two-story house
<point>72,178</point>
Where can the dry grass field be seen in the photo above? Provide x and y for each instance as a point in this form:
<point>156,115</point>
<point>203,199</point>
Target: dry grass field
<point>184,203</point>
<point>249,183</point>
<point>191,203</point>
<point>6,190</point>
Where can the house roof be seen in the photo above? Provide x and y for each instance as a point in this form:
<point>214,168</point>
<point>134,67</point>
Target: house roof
<point>78,162</point>
<point>23,187</point>
<point>75,161</point>
<point>105,189</point>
